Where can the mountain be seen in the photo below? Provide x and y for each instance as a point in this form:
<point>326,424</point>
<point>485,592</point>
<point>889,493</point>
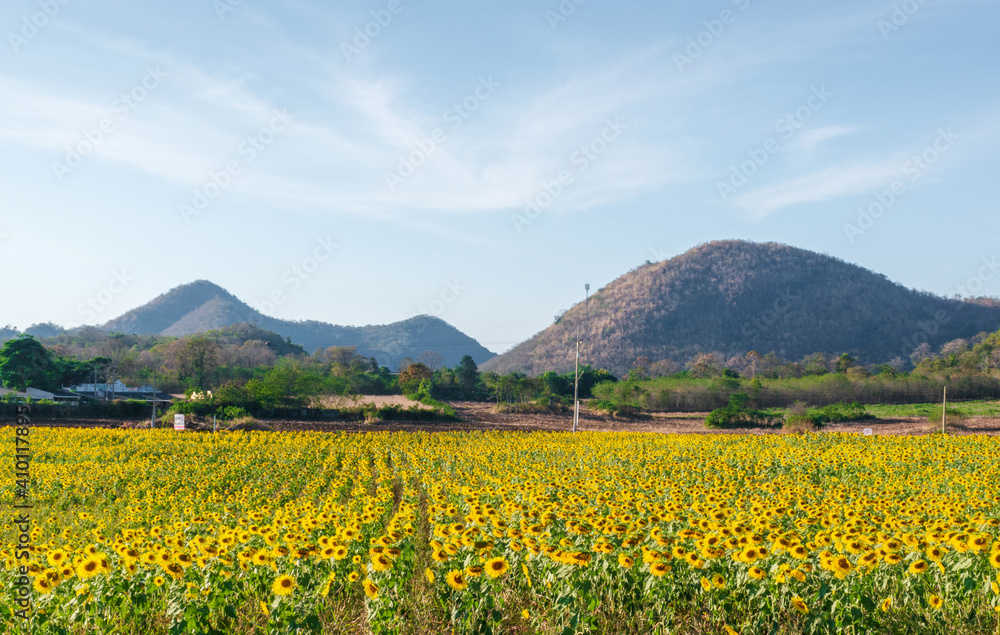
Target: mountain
<point>203,306</point>
<point>734,296</point>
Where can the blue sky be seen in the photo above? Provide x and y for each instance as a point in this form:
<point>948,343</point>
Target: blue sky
<point>481,161</point>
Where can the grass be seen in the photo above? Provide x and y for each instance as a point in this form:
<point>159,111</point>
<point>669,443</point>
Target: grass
<point>969,408</point>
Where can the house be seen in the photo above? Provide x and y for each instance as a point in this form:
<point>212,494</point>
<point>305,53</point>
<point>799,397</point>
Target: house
<point>36,394</point>
<point>118,390</point>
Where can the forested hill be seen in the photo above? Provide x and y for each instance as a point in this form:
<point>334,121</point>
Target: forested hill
<point>732,297</point>
<point>202,306</point>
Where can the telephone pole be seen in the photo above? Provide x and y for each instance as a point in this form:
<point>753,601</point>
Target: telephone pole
<point>576,375</point>
<point>152,420</point>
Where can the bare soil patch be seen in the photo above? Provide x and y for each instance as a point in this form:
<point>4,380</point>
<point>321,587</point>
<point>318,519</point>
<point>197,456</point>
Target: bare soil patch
<point>481,416</point>
<point>380,401</point>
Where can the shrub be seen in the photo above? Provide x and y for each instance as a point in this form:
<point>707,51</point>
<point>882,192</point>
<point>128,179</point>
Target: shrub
<point>536,407</point>
<point>954,419</point>
<point>799,424</point>
<point>736,415</point>
<point>617,410</point>
<point>232,412</point>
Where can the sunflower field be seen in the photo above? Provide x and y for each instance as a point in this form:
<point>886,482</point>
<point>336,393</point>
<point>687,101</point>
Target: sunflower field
<point>258,532</point>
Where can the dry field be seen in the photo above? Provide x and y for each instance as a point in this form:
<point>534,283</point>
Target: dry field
<point>481,416</point>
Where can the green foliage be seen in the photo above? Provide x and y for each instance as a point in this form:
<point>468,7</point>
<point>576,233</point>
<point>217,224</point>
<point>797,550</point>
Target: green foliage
<point>229,413</point>
<point>25,363</point>
<point>838,413</point>
<point>412,377</point>
<point>680,393</point>
<point>953,415</point>
<point>737,415</point>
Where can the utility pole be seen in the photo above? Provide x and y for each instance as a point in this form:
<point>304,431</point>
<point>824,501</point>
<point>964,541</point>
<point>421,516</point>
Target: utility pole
<point>576,375</point>
<point>944,410</point>
<point>152,420</point>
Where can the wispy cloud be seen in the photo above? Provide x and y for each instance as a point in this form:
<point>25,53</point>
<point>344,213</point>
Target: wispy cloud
<point>809,139</point>
<point>833,182</point>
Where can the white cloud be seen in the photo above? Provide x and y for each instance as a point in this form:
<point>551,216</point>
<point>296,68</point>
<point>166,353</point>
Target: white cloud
<point>832,182</point>
<point>809,139</point>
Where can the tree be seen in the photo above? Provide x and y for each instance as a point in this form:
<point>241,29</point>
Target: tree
<point>431,360</point>
<point>255,353</point>
<point>412,375</point>
<point>198,361</point>
<point>844,363</point>
<point>467,376</point>
<point>25,363</point>
<point>752,362</point>
<point>705,365</point>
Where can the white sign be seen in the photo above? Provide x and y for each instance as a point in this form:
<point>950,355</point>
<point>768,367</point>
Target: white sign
<point>867,431</point>
<point>178,422</point>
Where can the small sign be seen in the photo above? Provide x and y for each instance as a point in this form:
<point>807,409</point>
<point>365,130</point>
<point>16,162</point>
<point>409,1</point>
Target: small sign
<point>867,431</point>
<point>178,422</point>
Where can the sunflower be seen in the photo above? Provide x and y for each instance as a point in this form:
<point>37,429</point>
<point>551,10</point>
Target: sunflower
<point>917,567</point>
<point>886,605</point>
<point>935,601</point>
<point>88,569</point>
<point>706,584</point>
<point>158,580</point>
<point>56,557</point>
<point>283,585</point>
<point>42,584</point>
<point>995,560</point>
<point>339,552</point>
<point>353,576</point>
<point>625,561</point>
<point>756,573</point>
<point>718,581</point>
<point>473,571</point>
<point>440,555</point>
<point>496,567</point>
<point>456,580</point>
<point>429,575</point>
<point>381,563</point>
<point>261,558</point>
<point>800,605</point>
<point>370,589</point>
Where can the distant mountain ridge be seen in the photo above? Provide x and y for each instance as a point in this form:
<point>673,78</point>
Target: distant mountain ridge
<point>736,296</point>
<point>202,306</point>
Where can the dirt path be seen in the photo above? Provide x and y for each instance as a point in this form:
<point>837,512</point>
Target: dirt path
<point>690,423</point>
<point>480,416</point>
